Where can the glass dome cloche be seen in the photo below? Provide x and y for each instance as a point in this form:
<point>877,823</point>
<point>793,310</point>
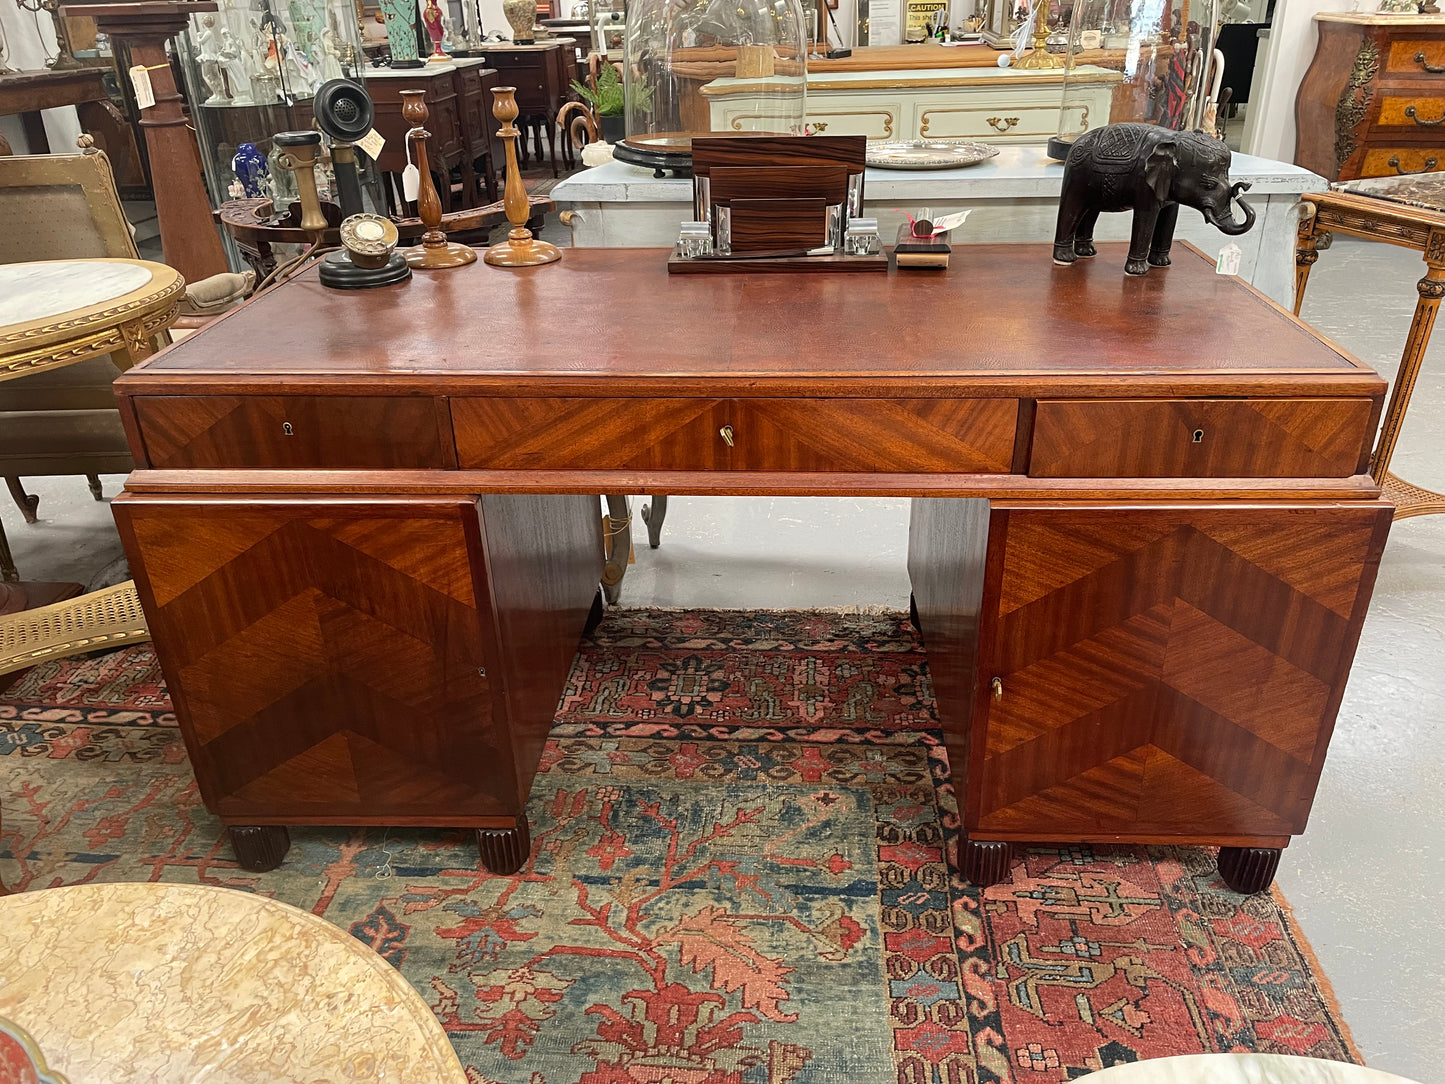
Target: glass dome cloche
<point>710,67</point>
<point>1159,57</point>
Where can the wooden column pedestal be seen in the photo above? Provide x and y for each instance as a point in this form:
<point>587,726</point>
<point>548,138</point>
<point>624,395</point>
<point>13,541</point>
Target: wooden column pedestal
<point>189,239</point>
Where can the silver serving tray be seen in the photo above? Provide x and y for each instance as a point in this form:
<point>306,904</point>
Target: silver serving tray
<point>928,154</point>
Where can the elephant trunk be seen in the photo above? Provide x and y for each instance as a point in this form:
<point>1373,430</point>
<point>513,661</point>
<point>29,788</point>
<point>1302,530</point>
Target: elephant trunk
<point>1228,225</point>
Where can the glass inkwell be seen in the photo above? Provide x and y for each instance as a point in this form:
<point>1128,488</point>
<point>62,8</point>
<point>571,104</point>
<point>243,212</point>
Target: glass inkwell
<point>709,67</point>
<point>1159,59</point>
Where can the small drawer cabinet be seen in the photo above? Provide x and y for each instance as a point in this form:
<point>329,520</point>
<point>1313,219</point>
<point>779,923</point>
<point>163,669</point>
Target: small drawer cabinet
<point>1372,103</point>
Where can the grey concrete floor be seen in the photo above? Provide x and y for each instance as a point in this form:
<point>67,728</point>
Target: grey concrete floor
<point>1365,879</point>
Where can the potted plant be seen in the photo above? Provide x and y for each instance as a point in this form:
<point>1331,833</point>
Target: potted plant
<point>605,96</point>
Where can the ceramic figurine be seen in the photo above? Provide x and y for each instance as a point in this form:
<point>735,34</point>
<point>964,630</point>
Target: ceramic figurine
<point>237,67</point>
<point>1151,171</point>
<point>208,52</point>
<point>251,169</point>
<point>328,56</point>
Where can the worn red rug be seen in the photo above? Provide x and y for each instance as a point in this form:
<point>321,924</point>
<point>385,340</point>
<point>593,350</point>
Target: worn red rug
<point>741,874</point>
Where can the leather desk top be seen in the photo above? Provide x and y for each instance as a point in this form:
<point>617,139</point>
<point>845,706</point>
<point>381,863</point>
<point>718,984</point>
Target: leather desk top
<point>1003,315</point>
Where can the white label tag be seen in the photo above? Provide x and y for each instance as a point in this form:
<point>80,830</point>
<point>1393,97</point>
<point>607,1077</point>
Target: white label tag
<point>371,143</point>
<point>141,80</point>
<point>410,183</point>
<point>1229,257</point>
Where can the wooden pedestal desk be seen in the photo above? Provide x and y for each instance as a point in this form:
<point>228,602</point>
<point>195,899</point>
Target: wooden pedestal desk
<point>366,535</point>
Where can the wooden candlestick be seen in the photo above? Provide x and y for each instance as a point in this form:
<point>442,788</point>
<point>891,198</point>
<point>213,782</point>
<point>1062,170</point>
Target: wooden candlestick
<point>435,251</point>
<point>519,249</point>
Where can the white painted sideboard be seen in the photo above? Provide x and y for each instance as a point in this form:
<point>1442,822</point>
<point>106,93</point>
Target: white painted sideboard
<point>997,104</point>
<point>1014,197</point>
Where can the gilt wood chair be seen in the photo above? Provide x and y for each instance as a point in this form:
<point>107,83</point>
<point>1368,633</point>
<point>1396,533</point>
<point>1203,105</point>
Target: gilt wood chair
<point>62,421</point>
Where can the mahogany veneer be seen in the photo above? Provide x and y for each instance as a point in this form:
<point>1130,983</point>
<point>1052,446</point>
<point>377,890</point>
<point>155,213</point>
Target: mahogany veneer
<point>1141,556</point>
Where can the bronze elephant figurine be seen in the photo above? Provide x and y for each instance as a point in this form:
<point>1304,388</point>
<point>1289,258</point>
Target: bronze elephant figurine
<point>1151,170</point>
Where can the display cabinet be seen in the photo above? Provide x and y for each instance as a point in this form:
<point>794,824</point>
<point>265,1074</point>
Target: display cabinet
<point>251,70</point>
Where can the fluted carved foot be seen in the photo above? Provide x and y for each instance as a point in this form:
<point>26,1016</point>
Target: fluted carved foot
<point>261,847</point>
<point>984,863</point>
<point>1248,869</point>
<point>505,850</point>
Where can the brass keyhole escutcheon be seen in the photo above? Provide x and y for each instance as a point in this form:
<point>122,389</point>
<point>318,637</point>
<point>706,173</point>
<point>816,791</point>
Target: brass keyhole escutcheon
<point>286,428</point>
<point>1198,437</point>
<point>997,686</point>
<point>726,432</point>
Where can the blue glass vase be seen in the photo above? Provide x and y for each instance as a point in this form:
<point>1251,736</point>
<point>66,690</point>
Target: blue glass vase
<point>251,169</point>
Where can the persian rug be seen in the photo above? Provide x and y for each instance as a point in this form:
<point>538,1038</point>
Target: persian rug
<point>741,874</point>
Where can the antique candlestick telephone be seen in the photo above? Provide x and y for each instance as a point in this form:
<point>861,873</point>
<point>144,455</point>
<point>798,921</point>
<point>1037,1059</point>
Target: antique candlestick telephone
<point>343,110</point>
<point>368,258</point>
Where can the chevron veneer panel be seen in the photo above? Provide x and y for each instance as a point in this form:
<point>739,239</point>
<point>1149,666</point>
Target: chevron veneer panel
<point>1165,672</point>
<point>924,435</point>
<point>326,657</point>
<point>1201,438</point>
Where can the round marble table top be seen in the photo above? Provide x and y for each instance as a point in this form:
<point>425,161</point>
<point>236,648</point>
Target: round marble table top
<point>32,291</point>
<point>168,983</point>
<point>1242,1069</point>
<point>59,312</point>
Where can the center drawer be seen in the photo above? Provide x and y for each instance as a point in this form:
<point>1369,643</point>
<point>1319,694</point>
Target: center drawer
<point>913,435</point>
<point>1201,438</point>
<point>342,431</point>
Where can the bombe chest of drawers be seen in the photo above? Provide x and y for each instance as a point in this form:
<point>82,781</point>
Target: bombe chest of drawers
<point>1372,103</point>
<point>365,531</point>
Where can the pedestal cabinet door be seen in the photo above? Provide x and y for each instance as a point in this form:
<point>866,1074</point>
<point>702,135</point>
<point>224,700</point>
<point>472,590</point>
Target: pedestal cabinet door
<point>1166,671</point>
<point>326,659</point>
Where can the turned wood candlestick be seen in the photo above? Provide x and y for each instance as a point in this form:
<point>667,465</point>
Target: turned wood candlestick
<point>520,249</point>
<point>435,251</point>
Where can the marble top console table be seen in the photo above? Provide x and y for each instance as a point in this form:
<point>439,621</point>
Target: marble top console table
<point>1015,198</point>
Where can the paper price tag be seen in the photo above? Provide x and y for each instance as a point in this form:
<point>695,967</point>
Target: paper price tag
<point>371,143</point>
<point>140,79</point>
<point>1228,262</point>
<point>410,183</point>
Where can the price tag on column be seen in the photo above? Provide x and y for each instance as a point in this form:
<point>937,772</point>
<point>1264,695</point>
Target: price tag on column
<point>140,79</point>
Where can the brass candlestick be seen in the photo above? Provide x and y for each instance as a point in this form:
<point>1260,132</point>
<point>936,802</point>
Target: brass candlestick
<point>519,249</point>
<point>1039,58</point>
<point>435,251</point>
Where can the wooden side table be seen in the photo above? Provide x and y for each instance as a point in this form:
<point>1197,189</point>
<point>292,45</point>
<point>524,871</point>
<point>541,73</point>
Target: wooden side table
<point>277,993</point>
<point>56,313</point>
<point>539,72</point>
<point>1407,211</point>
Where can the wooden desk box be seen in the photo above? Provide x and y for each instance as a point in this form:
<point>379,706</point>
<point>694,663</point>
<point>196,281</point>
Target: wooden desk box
<point>365,528</point>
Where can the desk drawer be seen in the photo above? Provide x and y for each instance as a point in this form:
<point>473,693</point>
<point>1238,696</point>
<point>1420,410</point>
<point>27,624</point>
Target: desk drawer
<point>213,431</point>
<point>923,435</point>
<point>1200,438</point>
